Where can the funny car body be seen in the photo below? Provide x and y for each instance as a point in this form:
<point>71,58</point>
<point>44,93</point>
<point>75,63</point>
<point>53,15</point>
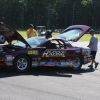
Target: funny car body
<point>38,51</point>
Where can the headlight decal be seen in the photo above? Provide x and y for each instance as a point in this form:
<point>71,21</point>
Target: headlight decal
<point>86,51</point>
<point>9,60</point>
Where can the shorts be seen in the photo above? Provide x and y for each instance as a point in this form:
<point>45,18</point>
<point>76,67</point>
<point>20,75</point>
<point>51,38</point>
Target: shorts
<point>93,53</point>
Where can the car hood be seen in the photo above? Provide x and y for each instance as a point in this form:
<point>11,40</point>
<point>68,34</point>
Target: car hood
<point>74,32</point>
<point>10,34</point>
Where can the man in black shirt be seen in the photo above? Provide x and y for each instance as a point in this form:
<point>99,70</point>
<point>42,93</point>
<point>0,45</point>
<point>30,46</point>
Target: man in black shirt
<point>48,34</point>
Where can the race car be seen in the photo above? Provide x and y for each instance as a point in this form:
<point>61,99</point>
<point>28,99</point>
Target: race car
<point>39,51</point>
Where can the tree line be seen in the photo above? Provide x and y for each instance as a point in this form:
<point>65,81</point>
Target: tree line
<point>54,14</point>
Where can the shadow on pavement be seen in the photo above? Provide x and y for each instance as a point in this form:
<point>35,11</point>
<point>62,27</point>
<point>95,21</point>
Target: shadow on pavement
<point>45,71</point>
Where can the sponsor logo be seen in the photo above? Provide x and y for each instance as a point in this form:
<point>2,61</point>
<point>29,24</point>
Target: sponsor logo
<point>66,63</point>
<point>58,63</point>
<point>36,59</point>
<point>51,64</point>
<point>43,63</point>
<point>9,63</point>
<point>34,63</point>
<point>9,58</point>
<point>54,53</point>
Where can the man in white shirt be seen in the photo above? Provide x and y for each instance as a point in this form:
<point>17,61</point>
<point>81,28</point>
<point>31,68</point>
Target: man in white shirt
<point>93,44</point>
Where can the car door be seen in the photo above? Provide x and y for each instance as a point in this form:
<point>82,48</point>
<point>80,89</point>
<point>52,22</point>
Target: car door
<point>68,54</point>
<point>55,56</point>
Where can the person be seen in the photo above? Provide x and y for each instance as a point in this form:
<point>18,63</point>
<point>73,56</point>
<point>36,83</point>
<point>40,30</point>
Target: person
<point>48,34</point>
<point>31,32</point>
<point>93,44</point>
<point>39,31</point>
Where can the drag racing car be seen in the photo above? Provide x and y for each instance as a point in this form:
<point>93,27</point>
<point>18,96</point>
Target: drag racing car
<point>39,51</point>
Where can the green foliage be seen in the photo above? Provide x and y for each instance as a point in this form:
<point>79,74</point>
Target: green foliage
<point>87,37</point>
<point>85,2</point>
<point>51,13</point>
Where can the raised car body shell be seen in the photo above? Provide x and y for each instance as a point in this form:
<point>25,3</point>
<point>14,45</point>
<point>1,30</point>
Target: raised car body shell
<point>84,29</point>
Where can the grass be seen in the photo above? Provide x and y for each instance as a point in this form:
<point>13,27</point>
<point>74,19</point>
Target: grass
<point>86,37</point>
<point>23,33</point>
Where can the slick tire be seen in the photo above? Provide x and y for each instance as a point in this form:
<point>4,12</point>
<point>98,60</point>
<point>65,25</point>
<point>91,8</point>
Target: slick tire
<point>22,63</point>
<point>78,62</point>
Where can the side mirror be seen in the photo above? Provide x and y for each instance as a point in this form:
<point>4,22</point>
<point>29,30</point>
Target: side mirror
<point>2,39</point>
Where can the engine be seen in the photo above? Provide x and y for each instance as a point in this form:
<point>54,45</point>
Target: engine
<point>9,48</point>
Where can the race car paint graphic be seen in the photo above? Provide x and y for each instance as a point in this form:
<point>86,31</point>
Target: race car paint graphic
<point>54,53</point>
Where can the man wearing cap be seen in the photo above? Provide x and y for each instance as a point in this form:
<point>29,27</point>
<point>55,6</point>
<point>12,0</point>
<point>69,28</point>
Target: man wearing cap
<point>93,44</point>
<point>31,32</point>
<point>48,34</point>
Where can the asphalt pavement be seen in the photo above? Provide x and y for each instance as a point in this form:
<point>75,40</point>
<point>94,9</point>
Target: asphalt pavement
<point>52,83</point>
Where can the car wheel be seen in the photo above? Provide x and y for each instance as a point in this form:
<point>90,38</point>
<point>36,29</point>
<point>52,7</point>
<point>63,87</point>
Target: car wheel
<point>78,62</point>
<point>22,63</point>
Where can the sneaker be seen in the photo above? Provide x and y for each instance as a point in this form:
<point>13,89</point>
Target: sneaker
<point>91,66</point>
<point>96,64</point>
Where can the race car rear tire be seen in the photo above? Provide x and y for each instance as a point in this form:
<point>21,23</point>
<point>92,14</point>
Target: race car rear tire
<point>22,63</point>
<point>78,62</point>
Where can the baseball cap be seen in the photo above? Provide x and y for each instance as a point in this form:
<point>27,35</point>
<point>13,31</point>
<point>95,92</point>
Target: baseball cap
<point>92,30</point>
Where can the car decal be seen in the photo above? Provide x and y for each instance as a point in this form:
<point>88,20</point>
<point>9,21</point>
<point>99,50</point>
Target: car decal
<point>9,63</point>
<point>36,59</point>
<point>9,60</point>
<point>33,52</point>
<point>54,53</point>
<point>51,62</point>
<point>87,59</point>
<point>34,63</point>
<point>42,63</point>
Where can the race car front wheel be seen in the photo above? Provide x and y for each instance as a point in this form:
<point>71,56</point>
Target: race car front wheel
<point>78,62</point>
<point>22,63</point>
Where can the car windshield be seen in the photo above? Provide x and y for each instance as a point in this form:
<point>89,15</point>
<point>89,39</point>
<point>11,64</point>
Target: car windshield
<point>33,42</point>
<point>71,34</point>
